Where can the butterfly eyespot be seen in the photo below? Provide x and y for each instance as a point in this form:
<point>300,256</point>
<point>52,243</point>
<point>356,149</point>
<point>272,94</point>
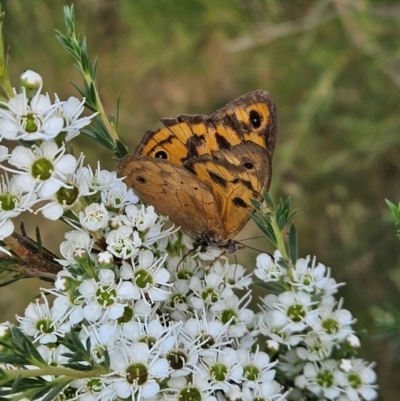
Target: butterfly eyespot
<point>161,154</point>
<point>248,165</point>
<point>141,179</point>
<point>255,119</point>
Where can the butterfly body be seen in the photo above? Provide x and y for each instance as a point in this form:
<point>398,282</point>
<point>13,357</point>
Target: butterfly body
<point>202,171</point>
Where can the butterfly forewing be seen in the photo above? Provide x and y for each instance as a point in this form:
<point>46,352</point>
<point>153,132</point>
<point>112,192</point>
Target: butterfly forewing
<point>251,117</point>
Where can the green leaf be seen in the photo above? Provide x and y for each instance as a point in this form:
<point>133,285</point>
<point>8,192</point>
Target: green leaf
<point>394,209</point>
<point>267,199</point>
<point>256,204</point>
<point>293,244</point>
<point>120,150</point>
<point>286,206</point>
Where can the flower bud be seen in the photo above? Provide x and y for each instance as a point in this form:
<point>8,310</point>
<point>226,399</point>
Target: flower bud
<point>32,82</point>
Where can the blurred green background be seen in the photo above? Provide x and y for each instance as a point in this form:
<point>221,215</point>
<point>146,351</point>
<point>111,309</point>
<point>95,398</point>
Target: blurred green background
<point>333,68</point>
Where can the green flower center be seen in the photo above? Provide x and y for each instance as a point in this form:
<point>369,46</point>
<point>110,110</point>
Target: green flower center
<point>251,372</point>
<point>354,380</point>
<point>184,274</point>
<point>296,313</point>
<point>137,373</point>
<point>42,169</point>
<point>67,196</point>
<point>177,359</point>
<point>30,123</point>
<point>325,378</point>
<point>178,299</point>
<point>331,326</point>
<point>127,316</point>
<point>307,279</point>
<point>143,279</point>
<point>190,394</point>
<point>219,372</point>
<point>227,315</point>
<point>210,295</point>
<point>8,201</point>
<point>150,341</point>
<point>106,295</point>
<point>44,325</point>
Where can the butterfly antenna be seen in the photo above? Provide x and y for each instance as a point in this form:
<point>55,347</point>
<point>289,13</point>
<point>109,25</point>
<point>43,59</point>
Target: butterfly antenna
<point>246,239</point>
<point>255,249</point>
<point>183,258</point>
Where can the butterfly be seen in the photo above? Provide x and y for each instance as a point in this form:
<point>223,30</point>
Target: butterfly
<point>202,171</point>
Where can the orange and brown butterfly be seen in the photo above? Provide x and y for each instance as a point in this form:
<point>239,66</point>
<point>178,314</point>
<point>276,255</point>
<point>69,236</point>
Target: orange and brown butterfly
<point>202,171</point>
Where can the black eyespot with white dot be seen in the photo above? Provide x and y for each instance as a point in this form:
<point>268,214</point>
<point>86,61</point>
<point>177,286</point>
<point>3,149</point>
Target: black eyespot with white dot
<point>248,165</point>
<point>255,119</point>
<point>161,154</point>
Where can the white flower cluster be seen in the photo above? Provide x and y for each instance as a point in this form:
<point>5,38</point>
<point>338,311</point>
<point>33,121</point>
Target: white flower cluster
<point>312,331</point>
<point>163,326</point>
<point>41,170</point>
<point>174,328</point>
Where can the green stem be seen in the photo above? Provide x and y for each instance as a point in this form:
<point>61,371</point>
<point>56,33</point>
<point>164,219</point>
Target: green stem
<point>4,78</point>
<point>280,243</point>
<point>52,371</point>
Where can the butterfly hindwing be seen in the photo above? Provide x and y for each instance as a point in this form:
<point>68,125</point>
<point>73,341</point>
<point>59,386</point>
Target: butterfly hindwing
<point>175,192</point>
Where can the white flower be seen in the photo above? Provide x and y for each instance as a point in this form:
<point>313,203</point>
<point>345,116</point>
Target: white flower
<point>42,323</point>
<point>233,274</point>
<point>313,278</point>
<point>267,269</point>
<point>123,242</point>
<point>102,179</point>
<point>222,368</point>
<point>197,389</point>
<point>273,326</point>
<point>140,218</point>
<point>210,335</point>
<point>13,199</point>
<point>104,298</point>
<point>257,368</point>
<point>333,324</point>
<point>45,168</point>
<point>70,111</point>
<point>68,196</point>
<point>95,217</point>
<point>118,198</point>
<point>232,310</point>
<point>269,391</point>
<point>75,240</point>
<point>151,278</point>
<point>138,370</point>
<point>315,348</point>
<point>360,381</point>
<point>293,310</point>
<point>29,120</point>
<point>323,379</point>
